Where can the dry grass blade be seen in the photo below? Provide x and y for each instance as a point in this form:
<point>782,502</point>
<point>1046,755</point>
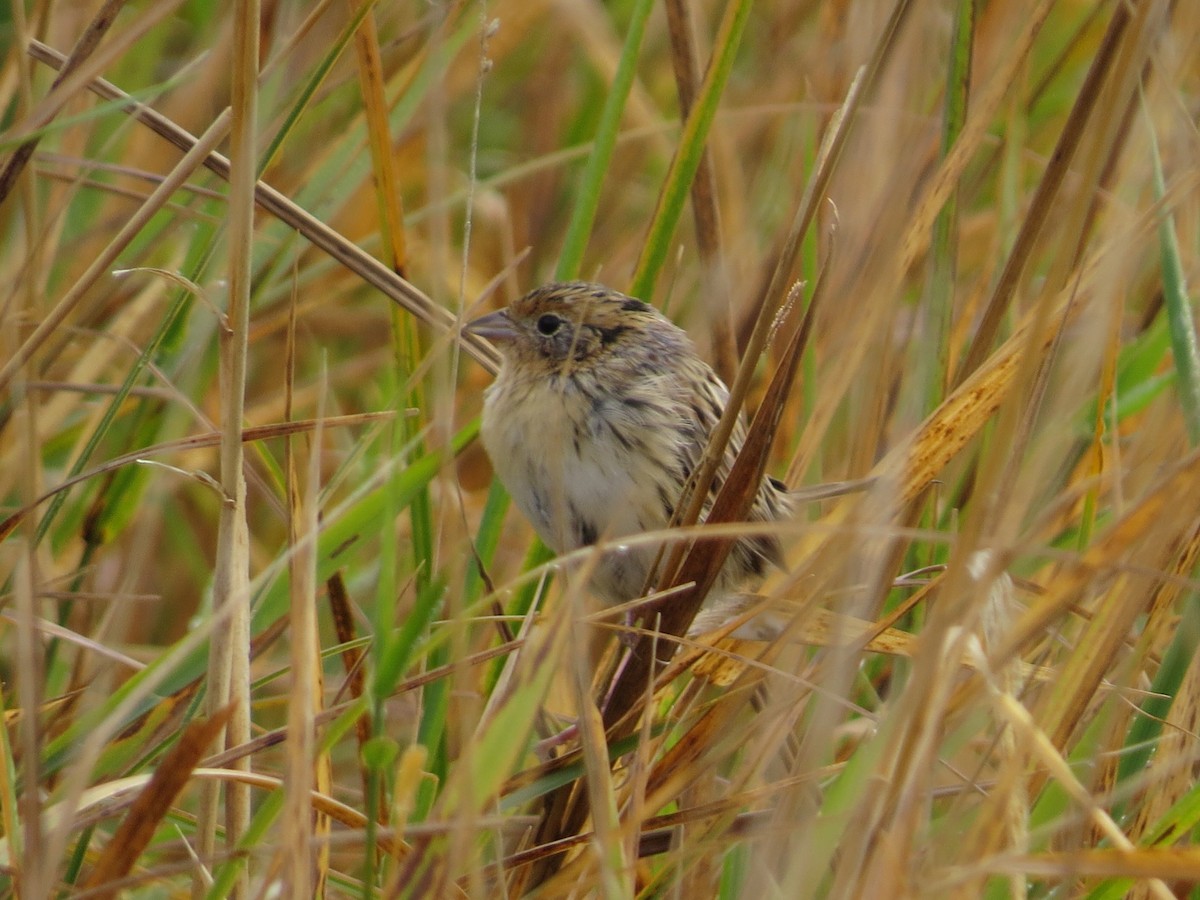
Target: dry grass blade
<point>718,440</point>
<point>1060,164</point>
<point>911,467</point>
<point>83,64</point>
<point>1170,504</point>
<point>54,630</point>
<point>305,766</point>
<point>966,189</point>
<point>229,651</point>
<point>338,247</point>
<point>1171,767</point>
<point>704,560</point>
<point>1038,746</point>
<point>705,213</point>
<point>57,317</point>
<point>353,662</point>
<point>1120,537</point>
<point>370,76</point>
<point>1179,864</point>
<point>195,442</point>
<point>567,811</point>
<point>154,801</point>
<point>985,103</point>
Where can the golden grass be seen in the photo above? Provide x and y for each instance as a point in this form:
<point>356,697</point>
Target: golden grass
<point>233,406</point>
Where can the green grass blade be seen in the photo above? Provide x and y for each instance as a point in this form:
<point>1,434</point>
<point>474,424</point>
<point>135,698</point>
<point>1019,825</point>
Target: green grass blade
<point>943,249</point>
<point>1178,306</point>
<point>690,151</point>
<point>1182,328</point>
<point>583,214</point>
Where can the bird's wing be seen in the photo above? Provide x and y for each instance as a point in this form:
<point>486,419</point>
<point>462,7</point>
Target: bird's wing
<point>708,399</point>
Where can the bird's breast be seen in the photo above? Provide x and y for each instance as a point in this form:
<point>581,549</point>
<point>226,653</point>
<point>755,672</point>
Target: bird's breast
<point>578,463</point>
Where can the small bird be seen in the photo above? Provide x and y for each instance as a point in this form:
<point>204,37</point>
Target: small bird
<point>600,412</point>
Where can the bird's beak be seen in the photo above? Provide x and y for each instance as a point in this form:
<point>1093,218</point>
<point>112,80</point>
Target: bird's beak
<point>497,326</point>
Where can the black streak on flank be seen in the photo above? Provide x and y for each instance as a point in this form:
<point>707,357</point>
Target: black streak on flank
<point>625,442</point>
<point>667,502</point>
<point>540,504</point>
<point>587,533</point>
<point>756,559</point>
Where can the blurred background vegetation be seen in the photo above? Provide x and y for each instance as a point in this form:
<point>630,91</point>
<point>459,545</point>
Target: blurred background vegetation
<point>990,685</point>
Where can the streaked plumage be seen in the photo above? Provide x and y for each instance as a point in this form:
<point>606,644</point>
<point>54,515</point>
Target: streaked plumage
<point>599,414</point>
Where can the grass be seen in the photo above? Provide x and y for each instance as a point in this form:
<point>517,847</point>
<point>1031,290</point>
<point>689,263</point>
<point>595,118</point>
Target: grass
<point>946,247</point>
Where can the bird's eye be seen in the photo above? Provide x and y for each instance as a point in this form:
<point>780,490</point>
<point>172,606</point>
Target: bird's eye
<point>548,324</point>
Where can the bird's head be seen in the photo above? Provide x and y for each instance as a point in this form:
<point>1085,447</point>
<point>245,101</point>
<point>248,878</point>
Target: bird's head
<point>564,326</point>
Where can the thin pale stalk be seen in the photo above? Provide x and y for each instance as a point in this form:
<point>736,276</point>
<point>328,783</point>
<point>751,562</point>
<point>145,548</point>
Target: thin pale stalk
<point>229,653</point>
<point>304,650</point>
